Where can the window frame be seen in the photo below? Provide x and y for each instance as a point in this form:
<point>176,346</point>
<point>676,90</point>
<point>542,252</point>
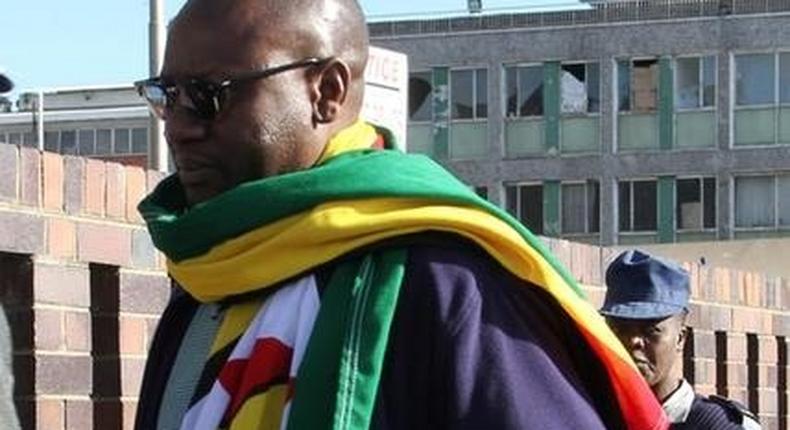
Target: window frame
<point>631,181</point>
<point>777,104</point>
<point>616,86</point>
<point>775,185</point>
<point>587,113</point>
<point>430,99</point>
<point>701,179</point>
<point>518,115</point>
<point>518,185</point>
<point>474,70</point>
<point>700,82</point>
<point>586,184</point>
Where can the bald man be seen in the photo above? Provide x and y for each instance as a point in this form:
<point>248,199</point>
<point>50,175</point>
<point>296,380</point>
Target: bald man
<point>325,284</point>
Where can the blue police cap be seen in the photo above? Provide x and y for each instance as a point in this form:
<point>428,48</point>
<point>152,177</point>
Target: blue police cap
<point>640,286</point>
<point>5,84</point>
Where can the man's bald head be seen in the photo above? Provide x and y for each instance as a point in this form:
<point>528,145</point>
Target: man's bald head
<point>295,28</point>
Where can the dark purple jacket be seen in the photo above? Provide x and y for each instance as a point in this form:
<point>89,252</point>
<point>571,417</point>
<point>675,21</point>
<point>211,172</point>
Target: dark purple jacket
<point>471,347</point>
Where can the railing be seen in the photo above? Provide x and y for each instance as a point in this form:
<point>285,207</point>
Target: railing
<point>599,13</point>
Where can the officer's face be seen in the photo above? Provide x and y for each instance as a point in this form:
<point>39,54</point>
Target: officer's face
<point>655,345</point>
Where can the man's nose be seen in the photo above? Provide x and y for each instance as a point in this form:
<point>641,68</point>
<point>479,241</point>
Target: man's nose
<point>635,341</point>
<point>182,126</point>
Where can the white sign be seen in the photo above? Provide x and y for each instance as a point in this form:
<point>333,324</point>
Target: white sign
<point>387,92</point>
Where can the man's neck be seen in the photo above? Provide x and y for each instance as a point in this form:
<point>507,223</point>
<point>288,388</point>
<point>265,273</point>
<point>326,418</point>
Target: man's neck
<point>664,390</point>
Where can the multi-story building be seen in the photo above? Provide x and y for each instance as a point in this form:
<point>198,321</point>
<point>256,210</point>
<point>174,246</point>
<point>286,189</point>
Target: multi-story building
<point>659,121</point>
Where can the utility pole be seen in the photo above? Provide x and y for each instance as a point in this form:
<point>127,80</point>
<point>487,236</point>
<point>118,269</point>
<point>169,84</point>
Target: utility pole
<point>158,156</point>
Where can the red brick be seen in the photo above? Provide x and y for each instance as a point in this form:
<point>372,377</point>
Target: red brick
<point>129,411</point>
<point>64,375</point>
<point>135,191</point>
<point>61,285</point>
<point>116,190</point>
<point>9,165</point>
<point>48,329</point>
<point>95,186</point>
<point>30,177</point>
<point>150,330</point>
<point>768,400</point>
<point>53,181</point>
<point>78,331</point>
<point>61,238</point>
<point>79,414</point>
<point>736,348</point>
<point>73,184</point>
<point>50,414</point>
<point>737,375</point>
<point>100,243</point>
<point>704,344</point>
<point>143,293</point>
<point>750,320</point>
<point>131,376</point>
<point>22,233</point>
<point>722,285</point>
<point>132,336</point>
<point>769,349</point>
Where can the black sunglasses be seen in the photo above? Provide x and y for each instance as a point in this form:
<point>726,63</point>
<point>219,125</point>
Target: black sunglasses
<point>205,96</point>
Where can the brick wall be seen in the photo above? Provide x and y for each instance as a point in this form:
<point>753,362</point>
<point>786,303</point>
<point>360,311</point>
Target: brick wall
<point>82,285</point>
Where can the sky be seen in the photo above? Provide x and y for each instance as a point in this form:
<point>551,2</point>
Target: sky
<point>54,43</point>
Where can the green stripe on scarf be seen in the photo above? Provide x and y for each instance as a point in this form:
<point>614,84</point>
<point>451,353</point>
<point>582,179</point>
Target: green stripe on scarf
<point>183,234</point>
<point>352,329</point>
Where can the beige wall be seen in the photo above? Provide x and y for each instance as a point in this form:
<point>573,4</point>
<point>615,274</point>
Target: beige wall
<point>767,256</point>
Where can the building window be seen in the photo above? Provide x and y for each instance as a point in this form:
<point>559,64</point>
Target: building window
<point>524,90</point>
<point>762,201</point>
<point>637,85</point>
<point>103,141</point>
<point>580,88</point>
<point>139,140</point>
<point>638,207</point>
<point>580,207</point>
<point>481,191</point>
<point>420,90</point>
<point>122,144</point>
<point>695,82</point>
<point>525,202</point>
<point>51,141</point>
<point>86,141</point>
<point>15,138</point>
<point>68,142</point>
<point>469,93</point>
<point>695,204</point>
<point>755,79</point>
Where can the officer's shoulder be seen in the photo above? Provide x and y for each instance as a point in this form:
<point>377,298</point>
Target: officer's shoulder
<point>734,410</point>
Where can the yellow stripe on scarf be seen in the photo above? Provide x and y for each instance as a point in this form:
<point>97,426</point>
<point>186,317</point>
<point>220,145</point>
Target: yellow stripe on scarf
<point>278,251</point>
<point>361,135</point>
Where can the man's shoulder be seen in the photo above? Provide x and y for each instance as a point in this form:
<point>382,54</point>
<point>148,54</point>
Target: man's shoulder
<point>721,412</point>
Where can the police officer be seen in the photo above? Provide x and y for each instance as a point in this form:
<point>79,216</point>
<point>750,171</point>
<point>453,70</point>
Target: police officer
<point>646,305</point>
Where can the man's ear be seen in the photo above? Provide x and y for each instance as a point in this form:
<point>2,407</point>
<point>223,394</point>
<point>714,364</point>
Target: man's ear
<point>329,89</point>
<point>682,334</point>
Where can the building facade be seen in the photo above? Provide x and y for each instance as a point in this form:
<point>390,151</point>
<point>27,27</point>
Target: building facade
<point>631,122</point>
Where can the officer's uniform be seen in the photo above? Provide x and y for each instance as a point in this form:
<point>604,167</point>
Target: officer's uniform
<point>640,287</point>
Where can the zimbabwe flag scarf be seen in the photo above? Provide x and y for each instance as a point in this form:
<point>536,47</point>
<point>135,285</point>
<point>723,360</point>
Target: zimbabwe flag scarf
<point>268,231</point>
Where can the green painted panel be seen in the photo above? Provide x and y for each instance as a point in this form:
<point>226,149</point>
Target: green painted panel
<point>551,105</point>
<point>665,103</point>
<point>754,127</point>
<point>666,209</point>
<point>468,140</point>
<point>580,135</point>
<point>524,137</point>
<point>696,129</point>
<point>695,236</point>
<point>420,139</point>
<point>784,126</point>
<point>636,239</point>
<point>637,132</point>
<point>441,112</point>
<point>551,208</point>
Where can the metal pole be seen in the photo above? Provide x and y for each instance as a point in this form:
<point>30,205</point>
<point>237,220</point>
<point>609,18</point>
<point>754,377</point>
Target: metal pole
<point>157,149</point>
